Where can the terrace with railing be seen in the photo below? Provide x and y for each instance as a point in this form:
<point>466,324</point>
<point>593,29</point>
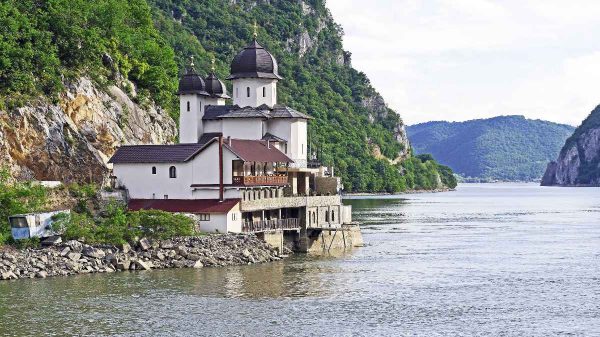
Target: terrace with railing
<point>268,180</point>
<point>269,225</point>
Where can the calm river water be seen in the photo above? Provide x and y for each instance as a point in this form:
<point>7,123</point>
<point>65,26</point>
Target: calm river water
<point>485,260</point>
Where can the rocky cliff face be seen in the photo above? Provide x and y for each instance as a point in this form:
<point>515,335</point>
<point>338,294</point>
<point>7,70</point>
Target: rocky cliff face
<point>72,139</point>
<point>579,161</point>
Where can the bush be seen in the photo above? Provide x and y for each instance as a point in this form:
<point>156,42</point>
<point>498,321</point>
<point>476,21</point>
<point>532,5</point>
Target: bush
<point>115,225</point>
<point>162,225</point>
<point>17,198</point>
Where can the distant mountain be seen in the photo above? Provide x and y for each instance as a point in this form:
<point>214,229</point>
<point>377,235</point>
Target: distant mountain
<point>578,163</point>
<point>505,148</point>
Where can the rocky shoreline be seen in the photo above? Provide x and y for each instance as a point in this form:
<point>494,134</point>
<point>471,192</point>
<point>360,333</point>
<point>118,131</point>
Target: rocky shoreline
<point>75,257</point>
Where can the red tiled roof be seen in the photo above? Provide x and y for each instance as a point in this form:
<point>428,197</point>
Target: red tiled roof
<point>256,150</point>
<point>184,205</point>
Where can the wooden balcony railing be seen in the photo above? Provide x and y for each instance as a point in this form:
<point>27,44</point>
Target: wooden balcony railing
<point>271,180</point>
<point>267,225</point>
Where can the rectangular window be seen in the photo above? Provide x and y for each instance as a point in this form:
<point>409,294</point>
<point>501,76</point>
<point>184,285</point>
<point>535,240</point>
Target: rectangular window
<point>188,106</point>
<point>166,196</point>
<point>204,216</point>
<point>233,216</point>
<point>264,91</point>
<point>286,148</point>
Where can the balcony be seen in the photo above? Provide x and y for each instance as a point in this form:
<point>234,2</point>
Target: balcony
<point>269,225</point>
<point>270,180</point>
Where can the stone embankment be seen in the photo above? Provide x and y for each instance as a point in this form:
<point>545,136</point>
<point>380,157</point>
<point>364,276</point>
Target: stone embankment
<point>74,257</point>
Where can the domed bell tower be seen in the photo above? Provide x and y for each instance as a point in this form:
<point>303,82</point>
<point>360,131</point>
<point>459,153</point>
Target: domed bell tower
<point>195,93</point>
<point>254,75</point>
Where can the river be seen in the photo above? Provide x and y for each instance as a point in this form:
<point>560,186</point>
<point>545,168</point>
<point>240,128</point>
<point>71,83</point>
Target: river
<point>484,260</point>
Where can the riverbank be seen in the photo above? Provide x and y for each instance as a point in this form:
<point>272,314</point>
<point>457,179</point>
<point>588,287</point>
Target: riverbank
<point>75,257</point>
<point>360,194</point>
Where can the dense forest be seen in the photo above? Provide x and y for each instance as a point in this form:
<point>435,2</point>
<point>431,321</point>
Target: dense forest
<point>510,148</point>
<point>44,44</point>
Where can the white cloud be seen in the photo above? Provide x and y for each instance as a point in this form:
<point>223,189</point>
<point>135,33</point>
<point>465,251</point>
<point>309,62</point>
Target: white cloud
<point>463,59</point>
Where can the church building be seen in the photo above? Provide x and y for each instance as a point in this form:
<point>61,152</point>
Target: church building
<point>239,167</point>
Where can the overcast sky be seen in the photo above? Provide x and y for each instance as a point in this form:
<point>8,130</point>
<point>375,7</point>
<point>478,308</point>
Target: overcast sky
<point>463,59</point>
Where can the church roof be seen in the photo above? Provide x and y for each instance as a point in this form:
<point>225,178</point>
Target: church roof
<point>271,137</point>
<point>212,112</point>
<point>247,150</point>
<point>176,153</point>
<point>215,87</point>
<point>256,150</point>
<point>254,61</point>
<point>184,205</point>
<point>192,83</point>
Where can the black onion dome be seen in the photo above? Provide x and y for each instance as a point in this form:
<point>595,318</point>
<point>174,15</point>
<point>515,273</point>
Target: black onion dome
<point>215,87</point>
<point>192,83</point>
<point>254,61</point>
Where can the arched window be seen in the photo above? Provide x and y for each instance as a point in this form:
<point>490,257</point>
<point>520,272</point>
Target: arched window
<point>172,172</point>
<point>326,216</point>
<point>188,105</point>
<point>332,216</point>
<point>264,91</point>
<point>248,91</point>
<point>200,105</point>
<point>237,92</point>
<point>153,169</point>
<point>315,217</point>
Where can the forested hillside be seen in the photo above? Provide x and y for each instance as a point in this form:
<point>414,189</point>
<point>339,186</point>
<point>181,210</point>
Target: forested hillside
<point>139,48</point>
<point>505,148</point>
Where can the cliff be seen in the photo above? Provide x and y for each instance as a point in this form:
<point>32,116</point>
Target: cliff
<point>578,163</point>
<point>73,138</point>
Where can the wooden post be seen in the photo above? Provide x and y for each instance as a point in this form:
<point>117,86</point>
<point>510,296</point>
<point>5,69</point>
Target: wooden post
<point>221,188</point>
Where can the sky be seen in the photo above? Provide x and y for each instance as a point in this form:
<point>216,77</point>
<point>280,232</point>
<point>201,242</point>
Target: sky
<point>465,59</point>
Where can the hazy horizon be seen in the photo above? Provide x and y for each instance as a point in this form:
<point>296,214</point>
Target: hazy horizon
<point>458,60</point>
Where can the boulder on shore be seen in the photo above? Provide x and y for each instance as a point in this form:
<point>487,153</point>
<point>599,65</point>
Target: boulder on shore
<point>74,257</point>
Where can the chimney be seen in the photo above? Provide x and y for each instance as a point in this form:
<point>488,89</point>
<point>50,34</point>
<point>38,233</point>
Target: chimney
<point>221,169</point>
<point>268,144</point>
<point>229,140</point>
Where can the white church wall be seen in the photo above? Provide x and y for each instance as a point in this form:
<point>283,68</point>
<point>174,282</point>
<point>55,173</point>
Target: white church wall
<point>190,120</point>
<point>243,128</point>
<point>257,96</point>
<point>142,184</point>
<point>213,126</point>
<point>206,166</point>
<point>295,132</point>
<point>217,223</point>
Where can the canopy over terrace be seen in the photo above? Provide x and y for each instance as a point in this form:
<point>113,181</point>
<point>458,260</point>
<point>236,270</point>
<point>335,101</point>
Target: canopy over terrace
<point>259,162</point>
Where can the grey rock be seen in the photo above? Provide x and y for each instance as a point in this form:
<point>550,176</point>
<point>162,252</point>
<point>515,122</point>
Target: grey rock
<point>198,264</point>
<point>167,244</point>
<point>142,265</point>
<point>74,256</point>
<point>145,244</point>
<point>75,245</point>
<point>125,248</point>
<point>123,265</point>
<point>51,241</point>
<point>8,275</point>
<point>93,252</point>
<point>65,251</point>
<point>41,274</point>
